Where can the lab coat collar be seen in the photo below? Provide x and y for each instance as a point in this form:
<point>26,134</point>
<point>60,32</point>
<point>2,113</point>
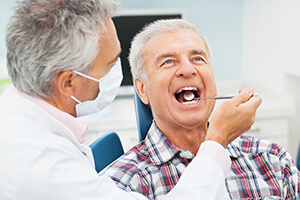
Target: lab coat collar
<point>78,128</point>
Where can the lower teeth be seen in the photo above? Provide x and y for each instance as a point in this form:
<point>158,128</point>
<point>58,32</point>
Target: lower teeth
<point>189,102</point>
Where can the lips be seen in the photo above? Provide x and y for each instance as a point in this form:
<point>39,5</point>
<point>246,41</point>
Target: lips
<point>188,95</point>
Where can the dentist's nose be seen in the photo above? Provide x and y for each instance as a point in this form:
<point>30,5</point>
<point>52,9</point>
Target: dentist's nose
<point>186,70</point>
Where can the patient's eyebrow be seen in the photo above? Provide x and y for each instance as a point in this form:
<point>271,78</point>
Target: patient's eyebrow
<point>162,56</point>
<point>192,52</point>
<point>200,52</point>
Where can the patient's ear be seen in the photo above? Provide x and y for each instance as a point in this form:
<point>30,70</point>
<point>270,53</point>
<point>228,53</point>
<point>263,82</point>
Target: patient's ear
<point>141,89</point>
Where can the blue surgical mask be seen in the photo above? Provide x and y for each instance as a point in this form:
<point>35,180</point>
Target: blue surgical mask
<point>108,86</point>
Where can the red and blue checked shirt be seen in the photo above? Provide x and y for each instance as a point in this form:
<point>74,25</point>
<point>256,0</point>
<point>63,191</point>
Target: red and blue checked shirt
<point>260,169</point>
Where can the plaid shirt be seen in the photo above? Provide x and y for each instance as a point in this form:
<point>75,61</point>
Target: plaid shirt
<point>259,170</point>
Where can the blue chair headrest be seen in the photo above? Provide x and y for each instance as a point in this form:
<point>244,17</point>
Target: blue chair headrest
<point>144,116</point>
<point>106,149</point>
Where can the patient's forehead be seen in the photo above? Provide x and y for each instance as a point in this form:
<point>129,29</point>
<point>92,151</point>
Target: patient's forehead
<point>173,42</point>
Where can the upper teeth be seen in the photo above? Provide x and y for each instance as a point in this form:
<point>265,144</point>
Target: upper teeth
<point>186,88</point>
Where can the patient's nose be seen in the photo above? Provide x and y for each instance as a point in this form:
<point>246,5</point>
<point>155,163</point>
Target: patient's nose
<point>186,69</point>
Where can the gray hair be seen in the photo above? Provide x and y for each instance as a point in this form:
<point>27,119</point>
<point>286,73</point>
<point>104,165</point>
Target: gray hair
<point>140,40</point>
<point>47,37</point>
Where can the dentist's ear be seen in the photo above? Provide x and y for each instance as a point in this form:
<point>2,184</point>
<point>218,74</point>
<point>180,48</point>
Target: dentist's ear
<point>66,83</point>
<point>63,88</point>
<point>141,89</point>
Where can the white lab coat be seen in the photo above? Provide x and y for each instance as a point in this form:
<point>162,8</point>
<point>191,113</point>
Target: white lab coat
<point>40,159</point>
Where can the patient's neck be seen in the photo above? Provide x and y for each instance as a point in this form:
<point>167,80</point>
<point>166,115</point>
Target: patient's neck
<point>187,139</point>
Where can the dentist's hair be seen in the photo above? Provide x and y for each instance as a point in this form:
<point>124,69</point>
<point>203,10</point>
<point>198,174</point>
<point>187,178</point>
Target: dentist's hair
<point>47,37</point>
<point>140,40</point>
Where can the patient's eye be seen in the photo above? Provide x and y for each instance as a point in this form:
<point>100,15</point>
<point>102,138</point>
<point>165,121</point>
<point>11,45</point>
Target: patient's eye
<point>199,59</point>
<point>168,63</point>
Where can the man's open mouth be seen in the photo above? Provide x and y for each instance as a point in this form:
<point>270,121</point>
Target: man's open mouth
<point>188,95</point>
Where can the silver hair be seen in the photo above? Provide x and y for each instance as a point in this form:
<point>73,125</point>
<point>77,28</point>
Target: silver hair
<point>47,37</point>
<point>140,40</point>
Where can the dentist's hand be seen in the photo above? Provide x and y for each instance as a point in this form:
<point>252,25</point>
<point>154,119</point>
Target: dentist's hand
<point>233,117</point>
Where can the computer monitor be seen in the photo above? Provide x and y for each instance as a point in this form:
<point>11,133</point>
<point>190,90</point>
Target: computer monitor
<point>128,24</point>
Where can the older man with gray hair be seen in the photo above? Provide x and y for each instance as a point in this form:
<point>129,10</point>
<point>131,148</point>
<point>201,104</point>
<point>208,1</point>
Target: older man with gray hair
<point>173,68</point>
<point>63,61</point>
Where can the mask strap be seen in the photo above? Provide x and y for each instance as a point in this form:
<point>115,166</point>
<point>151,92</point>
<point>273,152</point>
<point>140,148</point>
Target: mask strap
<point>75,99</point>
<point>86,76</point>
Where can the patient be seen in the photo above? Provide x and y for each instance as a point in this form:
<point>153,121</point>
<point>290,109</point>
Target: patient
<point>171,64</point>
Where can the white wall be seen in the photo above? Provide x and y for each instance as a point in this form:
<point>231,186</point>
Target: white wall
<point>5,13</point>
<point>270,44</point>
<point>270,49</point>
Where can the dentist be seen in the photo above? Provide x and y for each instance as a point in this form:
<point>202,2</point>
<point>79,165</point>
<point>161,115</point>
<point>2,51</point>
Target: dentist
<point>63,61</point>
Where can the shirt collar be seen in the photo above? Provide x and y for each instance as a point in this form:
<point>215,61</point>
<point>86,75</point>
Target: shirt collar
<point>78,128</point>
<point>160,148</point>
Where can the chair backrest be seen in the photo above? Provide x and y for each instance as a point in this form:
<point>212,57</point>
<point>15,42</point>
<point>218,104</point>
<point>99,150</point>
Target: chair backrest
<point>144,116</point>
<point>106,149</point>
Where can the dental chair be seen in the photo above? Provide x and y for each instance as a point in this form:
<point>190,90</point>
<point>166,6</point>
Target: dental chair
<point>144,116</point>
<point>106,149</point>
